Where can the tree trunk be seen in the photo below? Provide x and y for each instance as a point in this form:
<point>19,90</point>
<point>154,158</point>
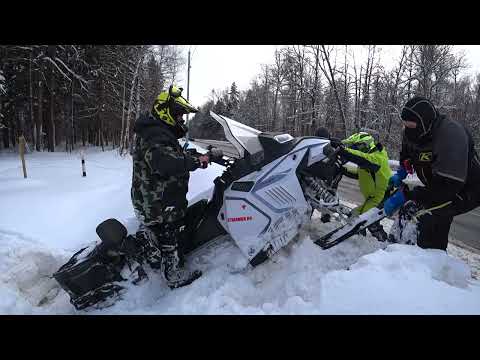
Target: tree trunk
<point>274,121</point>
<point>66,117</point>
<point>32,118</point>
<point>137,114</point>
<point>13,131</point>
<point>359,102</point>
<point>410,70</point>
<point>125,142</point>
<point>72,129</point>
<point>39,117</point>
<point>3,130</point>
<point>52,125</point>
<point>21,120</point>
<point>66,135</point>
<point>100,135</point>
<point>123,108</point>
<point>52,113</point>
<point>315,89</point>
<point>101,113</point>
<point>345,83</point>
<point>6,140</point>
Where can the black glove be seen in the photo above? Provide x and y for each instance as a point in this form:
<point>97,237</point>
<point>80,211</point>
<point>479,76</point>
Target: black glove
<point>192,152</point>
<point>336,143</point>
<point>215,154</point>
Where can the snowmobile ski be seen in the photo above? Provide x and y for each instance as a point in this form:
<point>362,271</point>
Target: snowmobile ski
<point>353,227</point>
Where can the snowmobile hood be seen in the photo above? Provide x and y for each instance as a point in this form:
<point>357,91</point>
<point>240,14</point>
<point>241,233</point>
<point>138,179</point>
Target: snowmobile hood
<point>241,136</point>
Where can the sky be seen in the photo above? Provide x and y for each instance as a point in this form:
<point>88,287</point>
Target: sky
<point>217,66</point>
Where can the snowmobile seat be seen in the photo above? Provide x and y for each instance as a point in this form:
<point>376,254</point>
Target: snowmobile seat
<point>111,232</point>
<point>273,149</point>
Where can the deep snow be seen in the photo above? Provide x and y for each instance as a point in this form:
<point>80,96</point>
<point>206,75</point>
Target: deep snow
<point>52,213</point>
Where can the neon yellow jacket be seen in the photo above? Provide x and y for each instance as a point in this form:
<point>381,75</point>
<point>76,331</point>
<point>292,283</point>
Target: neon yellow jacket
<point>373,175</point>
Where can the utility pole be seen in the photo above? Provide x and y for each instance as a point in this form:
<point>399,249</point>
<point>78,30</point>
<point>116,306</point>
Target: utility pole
<point>188,97</point>
<point>188,77</point>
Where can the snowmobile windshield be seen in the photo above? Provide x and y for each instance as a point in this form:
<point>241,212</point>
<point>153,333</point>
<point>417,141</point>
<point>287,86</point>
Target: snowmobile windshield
<point>241,136</point>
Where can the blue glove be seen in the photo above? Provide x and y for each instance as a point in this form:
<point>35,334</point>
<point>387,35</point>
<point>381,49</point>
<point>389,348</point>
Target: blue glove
<point>396,179</point>
<point>394,202</point>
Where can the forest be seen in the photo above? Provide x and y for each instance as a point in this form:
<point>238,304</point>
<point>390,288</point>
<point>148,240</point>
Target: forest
<point>63,96</point>
<point>60,97</point>
<point>308,86</point>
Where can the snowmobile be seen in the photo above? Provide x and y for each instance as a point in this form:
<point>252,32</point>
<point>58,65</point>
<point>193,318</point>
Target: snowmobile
<point>270,187</point>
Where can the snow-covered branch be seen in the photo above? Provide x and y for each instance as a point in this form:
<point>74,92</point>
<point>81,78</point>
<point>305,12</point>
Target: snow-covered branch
<point>47,58</point>
<point>78,77</point>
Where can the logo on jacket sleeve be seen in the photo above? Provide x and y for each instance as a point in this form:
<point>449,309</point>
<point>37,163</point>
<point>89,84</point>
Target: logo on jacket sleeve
<point>425,156</point>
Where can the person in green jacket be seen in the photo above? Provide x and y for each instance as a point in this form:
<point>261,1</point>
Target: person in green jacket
<point>373,173</point>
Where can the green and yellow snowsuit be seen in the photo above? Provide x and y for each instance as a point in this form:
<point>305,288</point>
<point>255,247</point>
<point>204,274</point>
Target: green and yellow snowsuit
<point>373,173</point>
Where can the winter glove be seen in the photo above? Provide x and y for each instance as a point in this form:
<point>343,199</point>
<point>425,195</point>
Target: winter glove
<point>396,180</point>
<point>204,160</point>
<point>394,202</point>
<point>406,164</point>
<point>215,155</point>
<point>335,143</point>
<point>355,211</point>
<point>192,163</point>
<point>192,152</point>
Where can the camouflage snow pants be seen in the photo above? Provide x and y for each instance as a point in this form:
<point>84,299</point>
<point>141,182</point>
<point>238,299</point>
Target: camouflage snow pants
<point>160,205</point>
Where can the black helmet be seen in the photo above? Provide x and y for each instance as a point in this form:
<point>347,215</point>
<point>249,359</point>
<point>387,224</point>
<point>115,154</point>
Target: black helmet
<point>322,132</point>
<point>421,111</point>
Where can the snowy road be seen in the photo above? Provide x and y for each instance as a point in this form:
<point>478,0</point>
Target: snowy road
<point>465,228</point>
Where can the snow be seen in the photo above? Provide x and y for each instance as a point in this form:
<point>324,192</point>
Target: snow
<point>54,212</point>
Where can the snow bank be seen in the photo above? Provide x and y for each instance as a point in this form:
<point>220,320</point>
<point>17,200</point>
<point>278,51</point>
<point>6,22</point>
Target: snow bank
<point>48,216</point>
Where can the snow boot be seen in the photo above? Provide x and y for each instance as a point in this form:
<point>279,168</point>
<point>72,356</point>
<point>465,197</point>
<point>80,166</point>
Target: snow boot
<point>175,275</point>
<point>325,218</point>
<point>149,250</point>
<point>392,239</point>
<point>377,231</point>
<point>405,228</point>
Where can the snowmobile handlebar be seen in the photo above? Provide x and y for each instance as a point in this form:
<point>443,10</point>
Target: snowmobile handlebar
<point>331,153</point>
<point>214,155</point>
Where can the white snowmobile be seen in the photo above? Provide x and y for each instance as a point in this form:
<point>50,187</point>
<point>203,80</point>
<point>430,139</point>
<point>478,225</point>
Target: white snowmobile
<point>271,184</point>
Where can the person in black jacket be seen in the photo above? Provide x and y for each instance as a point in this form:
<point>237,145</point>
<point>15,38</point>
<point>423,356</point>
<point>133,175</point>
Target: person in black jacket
<point>322,132</point>
<point>443,156</point>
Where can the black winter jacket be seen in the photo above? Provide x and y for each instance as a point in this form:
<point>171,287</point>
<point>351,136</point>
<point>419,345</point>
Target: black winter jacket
<point>446,163</point>
<point>168,157</point>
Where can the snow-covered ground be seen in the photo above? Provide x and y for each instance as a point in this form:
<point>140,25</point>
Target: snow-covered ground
<point>54,212</point>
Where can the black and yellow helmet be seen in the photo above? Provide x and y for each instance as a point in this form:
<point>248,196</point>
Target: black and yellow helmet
<point>361,141</point>
<point>169,104</point>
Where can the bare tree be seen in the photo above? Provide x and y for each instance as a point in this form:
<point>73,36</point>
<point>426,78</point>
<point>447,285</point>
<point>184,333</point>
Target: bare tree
<point>329,73</point>
<point>277,72</point>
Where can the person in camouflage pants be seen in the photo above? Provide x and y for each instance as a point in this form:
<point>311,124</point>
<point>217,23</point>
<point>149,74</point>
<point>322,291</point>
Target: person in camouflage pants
<point>160,183</point>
